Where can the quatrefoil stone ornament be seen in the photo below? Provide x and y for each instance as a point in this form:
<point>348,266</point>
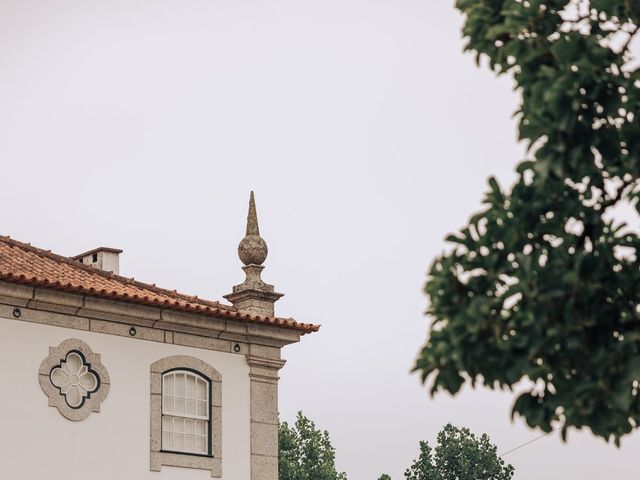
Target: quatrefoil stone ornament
<point>74,379</point>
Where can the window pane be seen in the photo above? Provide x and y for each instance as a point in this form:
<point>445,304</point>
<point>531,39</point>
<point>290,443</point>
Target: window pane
<point>202,390</point>
<point>167,424</point>
<point>88,382</point>
<point>180,384</point>
<point>201,444</point>
<point>74,362</point>
<point>191,386</point>
<point>73,397</point>
<point>177,441</point>
<point>179,405</point>
<point>59,376</point>
<point>168,404</point>
<point>191,407</point>
<point>168,384</point>
<point>200,427</point>
<point>178,425</point>
<point>190,426</point>
<point>166,440</point>
<point>189,442</point>
<point>202,409</point>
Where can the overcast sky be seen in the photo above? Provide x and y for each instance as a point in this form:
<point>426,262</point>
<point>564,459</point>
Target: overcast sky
<point>367,136</point>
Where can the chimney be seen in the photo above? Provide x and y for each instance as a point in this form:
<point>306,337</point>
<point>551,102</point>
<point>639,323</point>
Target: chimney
<point>104,258</point>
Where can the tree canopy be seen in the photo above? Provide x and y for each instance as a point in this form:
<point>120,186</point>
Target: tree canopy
<point>306,453</point>
<point>458,455</point>
<point>541,287</point>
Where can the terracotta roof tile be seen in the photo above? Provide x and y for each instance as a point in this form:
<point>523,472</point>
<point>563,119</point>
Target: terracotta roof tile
<point>25,264</point>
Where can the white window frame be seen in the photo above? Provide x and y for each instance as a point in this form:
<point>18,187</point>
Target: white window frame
<point>174,415</point>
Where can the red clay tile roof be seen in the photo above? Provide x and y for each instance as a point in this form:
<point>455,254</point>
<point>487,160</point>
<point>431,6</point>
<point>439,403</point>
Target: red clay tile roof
<point>24,264</point>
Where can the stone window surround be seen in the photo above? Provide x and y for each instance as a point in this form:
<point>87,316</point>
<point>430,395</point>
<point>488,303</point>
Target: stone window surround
<point>159,457</point>
<point>56,399</point>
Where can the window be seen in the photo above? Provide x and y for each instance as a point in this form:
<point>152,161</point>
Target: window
<point>186,410</point>
<point>186,414</point>
<point>74,379</point>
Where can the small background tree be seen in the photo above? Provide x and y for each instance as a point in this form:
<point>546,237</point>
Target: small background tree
<point>306,452</point>
<point>459,455</point>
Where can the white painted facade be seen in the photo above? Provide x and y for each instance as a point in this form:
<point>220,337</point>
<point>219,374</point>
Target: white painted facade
<point>36,442</point>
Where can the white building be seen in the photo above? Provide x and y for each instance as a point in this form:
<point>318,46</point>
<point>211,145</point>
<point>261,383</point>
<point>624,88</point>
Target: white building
<point>107,378</point>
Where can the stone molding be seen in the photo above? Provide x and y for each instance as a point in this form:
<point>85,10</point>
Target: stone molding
<point>263,369</point>
<point>57,398</point>
<point>81,312</point>
<point>158,457</point>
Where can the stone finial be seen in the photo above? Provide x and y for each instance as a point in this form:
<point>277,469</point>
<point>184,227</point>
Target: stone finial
<point>253,295</point>
<point>252,249</point>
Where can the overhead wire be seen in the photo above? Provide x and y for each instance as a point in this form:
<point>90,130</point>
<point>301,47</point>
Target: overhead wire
<point>529,442</point>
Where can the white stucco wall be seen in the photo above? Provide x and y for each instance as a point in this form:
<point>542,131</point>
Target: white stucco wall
<point>37,443</point>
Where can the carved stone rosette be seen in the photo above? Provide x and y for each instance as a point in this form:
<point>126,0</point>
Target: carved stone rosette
<point>74,379</point>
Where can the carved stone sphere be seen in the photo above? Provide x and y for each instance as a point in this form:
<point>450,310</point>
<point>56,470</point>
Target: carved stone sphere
<point>252,250</point>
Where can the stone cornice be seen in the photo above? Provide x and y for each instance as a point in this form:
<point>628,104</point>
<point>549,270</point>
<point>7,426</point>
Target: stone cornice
<point>262,362</point>
<point>88,313</point>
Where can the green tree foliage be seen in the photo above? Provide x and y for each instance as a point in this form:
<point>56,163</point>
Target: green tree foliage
<point>542,286</point>
<point>306,452</point>
<point>459,455</point>
<point>384,476</point>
